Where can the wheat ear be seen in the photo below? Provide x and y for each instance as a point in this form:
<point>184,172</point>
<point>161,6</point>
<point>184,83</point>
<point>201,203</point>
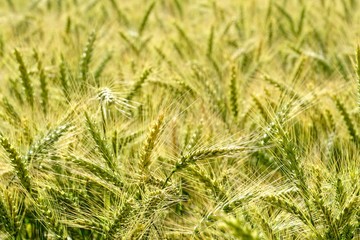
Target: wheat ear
<point>145,156</point>
<point>20,167</point>
<point>25,79</point>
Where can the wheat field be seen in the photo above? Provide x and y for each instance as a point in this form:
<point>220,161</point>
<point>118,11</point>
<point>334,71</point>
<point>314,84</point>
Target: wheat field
<point>180,119</point>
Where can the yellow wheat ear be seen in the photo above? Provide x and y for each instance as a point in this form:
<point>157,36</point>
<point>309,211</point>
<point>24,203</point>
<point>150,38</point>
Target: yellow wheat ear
<point>149,144</point>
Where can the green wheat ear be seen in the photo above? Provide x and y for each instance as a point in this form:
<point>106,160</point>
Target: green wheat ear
<point>215,187</point>
<point>86,57</point>
<point>99,70</point>
<point>11,112</point>
<point>241,231</point>
<point>63,76</point>
<point>347,119</point>
<point>357,68</point>
<point>120,14</point>
<point>96,170</point>
<point>193,139</point>
<point>20,167</point>
<point>43,84</point>
<point>120,219</point>
<point>138,85</point>
<point>288,206</point>
<point>233,93</point>
<point>25,79</point>
<point>100,143</point>
<point>50,218</point>
<point>146,18</point>
<point>5,219</point>
<point>210,43</point>
<point>129,42</point>
<point>201,154</point>
<point>185,38</point>
<point>260,107</point>
<point>45,145</point>
<point>283,88</point>
<point>2,46</point>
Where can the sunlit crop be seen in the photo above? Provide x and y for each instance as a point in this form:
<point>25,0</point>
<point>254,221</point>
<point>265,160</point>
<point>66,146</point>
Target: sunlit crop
<point>179,119</point>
